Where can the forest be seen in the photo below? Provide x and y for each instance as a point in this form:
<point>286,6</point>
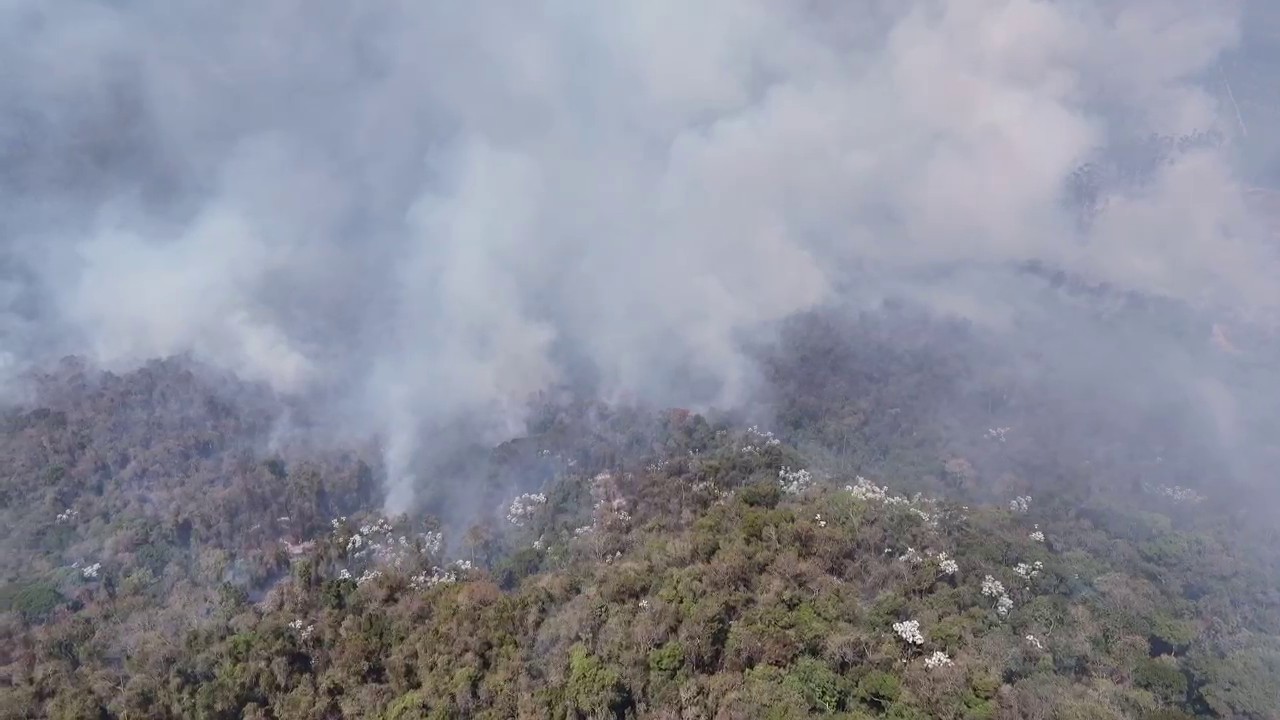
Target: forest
<point>909,525</point>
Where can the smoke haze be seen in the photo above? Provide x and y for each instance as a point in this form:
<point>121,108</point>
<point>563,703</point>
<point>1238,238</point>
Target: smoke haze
<point>428,211</point>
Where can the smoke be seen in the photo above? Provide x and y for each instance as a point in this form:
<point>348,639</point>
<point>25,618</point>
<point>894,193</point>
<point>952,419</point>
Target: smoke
<point>432,210</point>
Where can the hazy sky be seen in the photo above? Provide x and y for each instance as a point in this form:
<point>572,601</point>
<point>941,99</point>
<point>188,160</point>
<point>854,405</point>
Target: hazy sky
<point>439,207</point>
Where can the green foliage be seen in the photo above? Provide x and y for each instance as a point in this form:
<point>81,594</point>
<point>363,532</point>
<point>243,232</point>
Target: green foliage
<point>304,572</point>
<point>980,710</point>
<point>33,600</point>
<point>410,706</point>
<point>1171,633</point>
<point>822,689</point>
<point>1162,677</point>
<point>983,684</point>
<point>154,557</point>
<point>1084,708</point>
<point>668,659</point>
<point>1245,683</point>
<point>231,597</point>
<point>879,689</point>
<point>765,494</point>
<point>593,689</point>
<point>888,608</point>
<point>334,594</point>
<point>1167,714</point>
<point>766,693</point>
<point>902,711</point>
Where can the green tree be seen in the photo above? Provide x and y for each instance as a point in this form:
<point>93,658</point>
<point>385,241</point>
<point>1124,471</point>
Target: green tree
<point>593,689</point>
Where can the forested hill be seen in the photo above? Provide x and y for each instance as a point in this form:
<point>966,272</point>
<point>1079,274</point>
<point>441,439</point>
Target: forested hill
<point>922,530</point>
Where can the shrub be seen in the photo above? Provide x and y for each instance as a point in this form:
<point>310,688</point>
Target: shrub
<point>1170,635</point>
<point>153,556</point>
<point>766,694</point>
<point>822,689</point>
<point>879,689</point>
<point>1163,678</point>
<point>668,659</point>
<point>764,494</point>
<point>33,600</point>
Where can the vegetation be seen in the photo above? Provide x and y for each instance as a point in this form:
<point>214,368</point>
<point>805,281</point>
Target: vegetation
<point>905,546</point>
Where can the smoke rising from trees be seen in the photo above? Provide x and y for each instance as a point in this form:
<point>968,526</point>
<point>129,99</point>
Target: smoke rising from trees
<point>427,212</point>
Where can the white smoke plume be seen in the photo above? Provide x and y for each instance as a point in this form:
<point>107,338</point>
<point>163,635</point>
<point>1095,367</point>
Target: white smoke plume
<point>443,207</point>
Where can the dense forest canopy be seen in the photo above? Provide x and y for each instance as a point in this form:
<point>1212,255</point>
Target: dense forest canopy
<point>923,530</point>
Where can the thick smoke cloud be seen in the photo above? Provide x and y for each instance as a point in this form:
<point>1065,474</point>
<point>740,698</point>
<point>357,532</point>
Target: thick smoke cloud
<point>431,210</point>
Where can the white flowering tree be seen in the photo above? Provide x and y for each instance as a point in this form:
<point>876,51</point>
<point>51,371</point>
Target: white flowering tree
<point>937,660</point>
<point>994,589</point>
<point>909,632</point>
<point>380,547</point>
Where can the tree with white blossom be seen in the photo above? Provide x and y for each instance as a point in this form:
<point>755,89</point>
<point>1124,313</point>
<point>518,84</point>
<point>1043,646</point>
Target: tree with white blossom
<point>1004,604</point>
<point>909,631</point>
<point>1028,571</point>
<point>946,565</point>
<point>999,434</point>
<point>937,659</point>
<point>794,482</point>
<point>993,588</point>
<point>524,507</point>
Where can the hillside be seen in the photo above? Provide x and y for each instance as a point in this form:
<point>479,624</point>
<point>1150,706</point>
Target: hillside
<point>882,551</point>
